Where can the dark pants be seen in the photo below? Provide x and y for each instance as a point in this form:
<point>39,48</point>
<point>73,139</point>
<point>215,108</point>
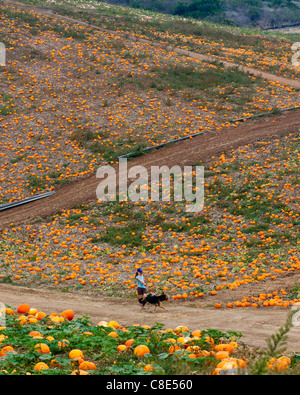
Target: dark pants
<point>141,292</point>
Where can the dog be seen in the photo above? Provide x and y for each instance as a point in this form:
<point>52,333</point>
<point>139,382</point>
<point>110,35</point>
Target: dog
<point>154,300</point>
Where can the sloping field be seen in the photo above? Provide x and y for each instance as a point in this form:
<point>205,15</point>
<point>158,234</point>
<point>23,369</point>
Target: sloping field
<point>185,153</point>
<point>76,95</point>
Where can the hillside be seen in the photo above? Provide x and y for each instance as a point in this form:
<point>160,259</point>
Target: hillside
<point>107,94</point>
<point>86,82</point>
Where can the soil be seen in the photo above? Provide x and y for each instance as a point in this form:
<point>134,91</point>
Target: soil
<point>256,325</point>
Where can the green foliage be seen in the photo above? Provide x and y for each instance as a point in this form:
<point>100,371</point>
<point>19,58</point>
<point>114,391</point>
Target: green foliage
<point>228,12</point>
<point>100,348</point>
<point>198,9</point>
<point>276,346</point>
<point>130,235</point>
<point>187,77</point>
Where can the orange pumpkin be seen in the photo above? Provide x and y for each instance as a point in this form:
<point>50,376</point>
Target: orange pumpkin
<point>141,350</point>
<point>86,365</point>
<point>5,350</point>
<point>68,314</point>
<point>42,348</point>
<point>76,354</point>
<point>41,366</point>
<point>23,308</point>
<point>129,342</point>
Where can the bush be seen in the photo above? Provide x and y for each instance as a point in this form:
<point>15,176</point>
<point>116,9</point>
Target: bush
<point>198,8</point>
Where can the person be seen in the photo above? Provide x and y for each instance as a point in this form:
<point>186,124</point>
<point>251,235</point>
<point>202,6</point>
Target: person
<point>141,285</point>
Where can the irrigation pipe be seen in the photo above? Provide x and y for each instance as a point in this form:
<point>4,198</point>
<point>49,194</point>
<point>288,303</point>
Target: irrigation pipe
<point>133,154</point>
<point>281,27</point>
<point>8,206</point>
<point>160,145</point>
<point>262,115</point>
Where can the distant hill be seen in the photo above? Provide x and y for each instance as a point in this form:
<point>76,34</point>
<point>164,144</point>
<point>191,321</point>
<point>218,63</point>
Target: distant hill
<point>247,13</point>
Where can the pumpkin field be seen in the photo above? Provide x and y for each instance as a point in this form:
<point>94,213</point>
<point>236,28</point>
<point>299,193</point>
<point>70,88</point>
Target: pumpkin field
<point>36,343</point>
<point>86,82</point>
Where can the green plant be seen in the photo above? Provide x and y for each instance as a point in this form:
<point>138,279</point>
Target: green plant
<point>276,346</point>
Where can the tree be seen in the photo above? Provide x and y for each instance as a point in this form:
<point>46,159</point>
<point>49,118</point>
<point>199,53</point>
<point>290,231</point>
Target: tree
<point>135,3</point>
<point>255,13</point>
<point>198,8</point>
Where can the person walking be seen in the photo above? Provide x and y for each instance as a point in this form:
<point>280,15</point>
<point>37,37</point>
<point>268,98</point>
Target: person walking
<point>141,285</point>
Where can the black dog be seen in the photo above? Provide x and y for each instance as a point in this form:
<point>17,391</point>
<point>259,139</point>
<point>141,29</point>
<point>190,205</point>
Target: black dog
<point>154,300</point>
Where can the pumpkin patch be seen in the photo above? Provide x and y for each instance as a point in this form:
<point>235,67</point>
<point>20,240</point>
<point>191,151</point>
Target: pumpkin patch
<point>79,347</point>
<point>91,82</point>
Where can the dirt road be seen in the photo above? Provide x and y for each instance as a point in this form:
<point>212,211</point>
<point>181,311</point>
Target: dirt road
<point>256,325</point>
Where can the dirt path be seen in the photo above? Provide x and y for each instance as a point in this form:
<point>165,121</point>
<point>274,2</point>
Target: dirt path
<point>256,325</point>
